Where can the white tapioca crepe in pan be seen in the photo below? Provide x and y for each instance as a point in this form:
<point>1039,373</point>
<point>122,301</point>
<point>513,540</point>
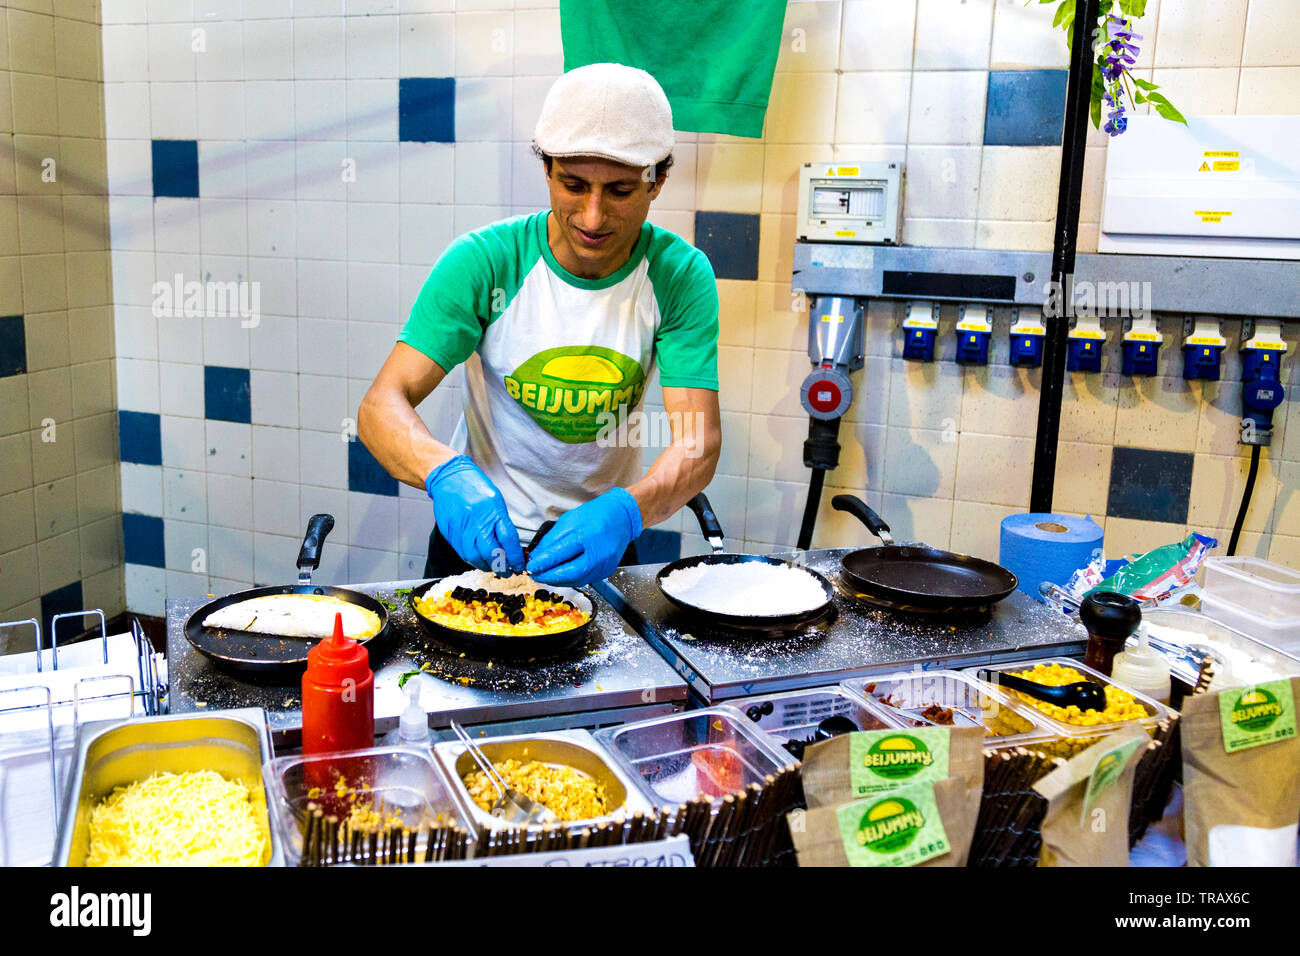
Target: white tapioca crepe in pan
<point>295,615</point>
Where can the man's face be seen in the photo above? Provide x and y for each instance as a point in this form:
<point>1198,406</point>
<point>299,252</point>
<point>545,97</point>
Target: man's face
<point>598,207</point>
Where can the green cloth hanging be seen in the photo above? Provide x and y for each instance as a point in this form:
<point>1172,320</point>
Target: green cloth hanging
<point>714,58</point>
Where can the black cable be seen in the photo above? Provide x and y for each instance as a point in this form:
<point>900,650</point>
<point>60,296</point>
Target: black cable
<point>810,509</point>
<point>1245,499</point>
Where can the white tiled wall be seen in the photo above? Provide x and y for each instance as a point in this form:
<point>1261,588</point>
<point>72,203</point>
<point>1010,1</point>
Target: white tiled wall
<point>60,518</point>
<point>286,92</point>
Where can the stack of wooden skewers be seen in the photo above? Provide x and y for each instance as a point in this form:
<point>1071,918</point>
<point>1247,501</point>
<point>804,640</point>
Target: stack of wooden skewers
<point>1011,811</point>
<point>746,828</point>
<point>331,841</point>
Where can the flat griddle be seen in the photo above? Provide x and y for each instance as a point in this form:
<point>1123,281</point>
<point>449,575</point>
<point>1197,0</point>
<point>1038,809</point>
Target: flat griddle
<point>917,577</point>
<point>252,653</point>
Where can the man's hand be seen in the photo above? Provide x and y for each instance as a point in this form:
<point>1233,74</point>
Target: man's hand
<point>588,542</point>
<point>471,514</point>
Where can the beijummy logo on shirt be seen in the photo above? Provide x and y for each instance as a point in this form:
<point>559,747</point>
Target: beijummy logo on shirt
<point>566,390</point>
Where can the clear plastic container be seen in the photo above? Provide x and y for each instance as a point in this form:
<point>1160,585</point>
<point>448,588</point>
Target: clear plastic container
<point>793,716</point>
<point>697,753</point>
<point>947,698</point>
<point>388,778</point>
<point>1155,711</point>
<point>1242,659</point>
<point>1258,587</point>
<point>1283,633</point>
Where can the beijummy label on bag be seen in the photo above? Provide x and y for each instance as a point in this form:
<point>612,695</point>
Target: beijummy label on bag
<point>1258,715</point>
<point>897,828</point>
<point>1108,768</point>
<point>885,759</point>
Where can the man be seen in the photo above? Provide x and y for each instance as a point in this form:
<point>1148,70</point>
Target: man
<point>562,316</point>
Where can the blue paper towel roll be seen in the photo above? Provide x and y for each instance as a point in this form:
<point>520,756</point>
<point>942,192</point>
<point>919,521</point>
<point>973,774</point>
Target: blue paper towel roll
<point>1046,547</point>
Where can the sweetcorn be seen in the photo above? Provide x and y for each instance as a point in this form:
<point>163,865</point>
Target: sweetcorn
<point>1120,704</point>
<point>488,617</point>
<point>568,793</point>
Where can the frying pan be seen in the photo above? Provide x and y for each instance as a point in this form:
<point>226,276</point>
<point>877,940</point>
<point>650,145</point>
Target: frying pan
<point>253,653</point>
<point>916,577</point>
<point>503,646</point>
<point>766,622</point>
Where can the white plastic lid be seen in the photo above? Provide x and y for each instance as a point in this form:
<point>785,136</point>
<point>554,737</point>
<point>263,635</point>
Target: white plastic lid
<point>414,722</point>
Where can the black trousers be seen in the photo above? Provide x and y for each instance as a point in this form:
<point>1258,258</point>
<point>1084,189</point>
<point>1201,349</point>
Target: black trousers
<point>443,559</point>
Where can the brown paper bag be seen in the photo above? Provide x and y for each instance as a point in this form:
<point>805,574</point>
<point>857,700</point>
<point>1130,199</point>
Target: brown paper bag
<point>832,777</point>
<point>1088,802</point>
<point>1239,808</point>
<point>819,838</point>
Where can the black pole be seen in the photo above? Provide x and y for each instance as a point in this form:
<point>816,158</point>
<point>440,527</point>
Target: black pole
<point>1078,97</point>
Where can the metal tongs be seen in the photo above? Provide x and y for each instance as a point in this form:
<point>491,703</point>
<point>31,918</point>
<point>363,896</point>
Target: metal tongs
<point>511,806</point>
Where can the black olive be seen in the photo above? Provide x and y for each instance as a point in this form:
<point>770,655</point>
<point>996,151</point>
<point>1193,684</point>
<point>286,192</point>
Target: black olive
<point>833,727</point>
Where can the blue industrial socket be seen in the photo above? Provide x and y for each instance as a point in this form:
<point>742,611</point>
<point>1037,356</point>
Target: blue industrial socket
<point>1202,361</point>
<point>973,348</point>
<point>1027,350</point>
<point>1084,355</point>
<point>1140,358</point>
<point>1261,392</point>
<point>918,344</point>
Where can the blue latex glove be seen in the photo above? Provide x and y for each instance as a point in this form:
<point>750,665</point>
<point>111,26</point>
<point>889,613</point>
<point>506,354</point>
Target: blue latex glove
<point>587,543</point>
<point>471,514</point>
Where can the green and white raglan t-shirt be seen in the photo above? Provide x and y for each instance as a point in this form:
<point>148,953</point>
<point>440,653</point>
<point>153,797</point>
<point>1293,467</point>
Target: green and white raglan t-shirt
<point>557,355</point>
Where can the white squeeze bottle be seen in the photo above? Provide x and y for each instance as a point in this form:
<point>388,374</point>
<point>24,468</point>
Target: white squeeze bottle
<point>413,726</point>
<point>1143,669</point>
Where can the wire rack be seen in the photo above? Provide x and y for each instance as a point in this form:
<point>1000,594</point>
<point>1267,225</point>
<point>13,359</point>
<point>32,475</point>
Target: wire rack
<point>139,685</point>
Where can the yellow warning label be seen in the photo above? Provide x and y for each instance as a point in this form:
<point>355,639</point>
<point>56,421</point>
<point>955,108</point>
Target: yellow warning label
<point>1211,212</point>
<point>1227,165</point>
<point>1205,340</point>
<point>1086,334</point>
<point>846,171</point>
<point>845,233</point>
<point>1203,168</point>
<point>1229,153</point>
<point>1142,337</point>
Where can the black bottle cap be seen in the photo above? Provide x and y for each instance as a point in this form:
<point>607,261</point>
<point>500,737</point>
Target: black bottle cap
<point>1110,614</point>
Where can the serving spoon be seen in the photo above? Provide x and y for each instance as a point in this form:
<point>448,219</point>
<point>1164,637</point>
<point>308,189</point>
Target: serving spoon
<point>1084,694</point>
<point>511,806</point>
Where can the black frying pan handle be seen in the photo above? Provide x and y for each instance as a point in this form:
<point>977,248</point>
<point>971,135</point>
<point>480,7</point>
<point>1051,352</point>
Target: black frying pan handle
<point>709,524</point>
<point>862,511</point>
<point>318,528</point>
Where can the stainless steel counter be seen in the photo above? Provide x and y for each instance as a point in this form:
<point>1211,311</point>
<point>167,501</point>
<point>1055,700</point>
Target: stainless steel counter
<point>859,641</point>
<point>613,678</point>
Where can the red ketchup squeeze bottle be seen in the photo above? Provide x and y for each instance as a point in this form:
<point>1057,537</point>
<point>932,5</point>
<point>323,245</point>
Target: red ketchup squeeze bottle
<point>338,695</point>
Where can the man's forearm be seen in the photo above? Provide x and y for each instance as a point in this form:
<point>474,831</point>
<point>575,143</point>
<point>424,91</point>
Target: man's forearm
<point>395,434</point>
<point>676,477</point>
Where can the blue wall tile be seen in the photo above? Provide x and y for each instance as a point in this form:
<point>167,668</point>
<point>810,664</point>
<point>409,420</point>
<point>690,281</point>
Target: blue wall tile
<point>730,240</point>
<point>63,601</point>
<point>139,437</point>
<point>426,110</point>
<point>175,167</point>
<point>226,394</point>
<point>366,474</point>
<point>1150,485</point>
<point>142,540</point>
<point>1025,108</point>
<point>13,345</point>
<point>658,547</point>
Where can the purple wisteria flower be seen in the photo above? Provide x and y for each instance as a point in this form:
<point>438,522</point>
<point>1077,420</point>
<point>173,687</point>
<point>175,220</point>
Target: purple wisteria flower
<point>1119,54</point>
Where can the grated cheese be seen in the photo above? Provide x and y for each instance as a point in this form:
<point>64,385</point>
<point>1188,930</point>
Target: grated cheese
<point>197,818</point>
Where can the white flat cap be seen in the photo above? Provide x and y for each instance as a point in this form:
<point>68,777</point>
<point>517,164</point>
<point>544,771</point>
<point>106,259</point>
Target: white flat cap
<point>608,110</point>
